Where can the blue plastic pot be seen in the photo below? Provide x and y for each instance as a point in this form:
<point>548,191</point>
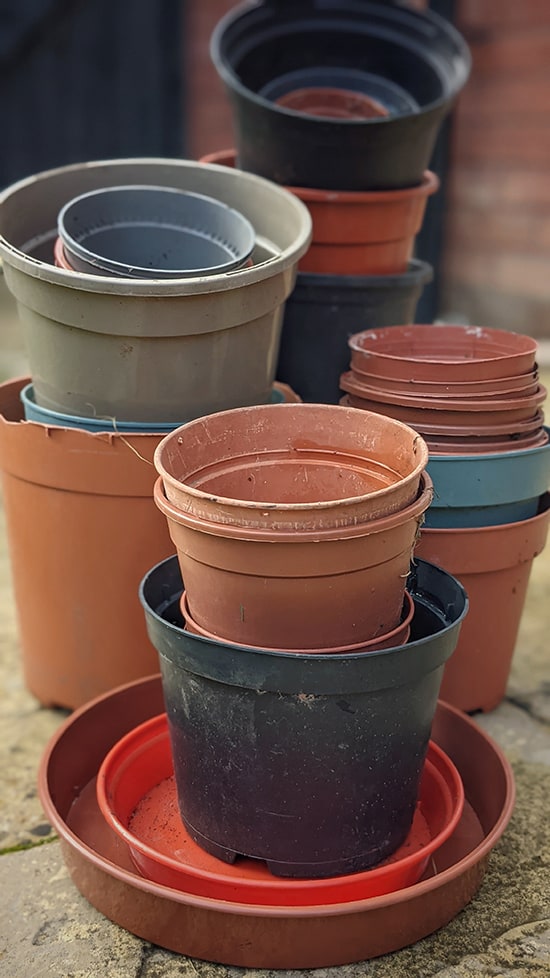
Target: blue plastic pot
<point>487,490</point>
<point>33,412</point>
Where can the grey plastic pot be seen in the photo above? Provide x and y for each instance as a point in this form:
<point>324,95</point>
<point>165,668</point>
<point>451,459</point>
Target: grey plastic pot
<point>153,232</point>
<point>142,349</point>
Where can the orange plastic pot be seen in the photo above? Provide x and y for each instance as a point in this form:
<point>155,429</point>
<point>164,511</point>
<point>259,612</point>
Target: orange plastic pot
<point>396,637</point>
<point>332,103</point>
<point>302,589</point>
<point>493,564</point>
<point>82,530</point>
<point>441,411</point>
<point>442,353</point>
<point>521,383</point>
<point>358,232</point>
<point>291,467</point>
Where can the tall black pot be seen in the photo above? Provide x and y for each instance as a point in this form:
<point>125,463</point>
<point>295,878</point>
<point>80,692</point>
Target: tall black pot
<point>323,312</point>
<point>360,44</point>
<point>311,763</point>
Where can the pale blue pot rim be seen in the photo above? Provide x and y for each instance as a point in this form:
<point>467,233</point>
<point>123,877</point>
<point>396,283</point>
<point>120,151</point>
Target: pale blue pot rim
<point>42,415</point>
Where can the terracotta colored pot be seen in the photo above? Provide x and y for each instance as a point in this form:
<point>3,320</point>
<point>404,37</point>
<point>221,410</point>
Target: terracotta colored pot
<point>291,467</point>
<point>145,349</point>
<point>82,529</point>
<point>361,233</point>
<point>398,636</point>
<point>444,353</point>
<point>521,383</point>
<point>467,425</point>
<point>485,446</point>
<point>332,103</point>
<point>60,258</point>
<point>296,590</point>
<point>441,411</point>
<point>493,563</point>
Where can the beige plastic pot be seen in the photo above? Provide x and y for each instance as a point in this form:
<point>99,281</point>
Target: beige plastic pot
<point>292,466</point>
<point>283,589</point>
<point>82,530</point>
<point>150,350</point>
<point>493,563</point>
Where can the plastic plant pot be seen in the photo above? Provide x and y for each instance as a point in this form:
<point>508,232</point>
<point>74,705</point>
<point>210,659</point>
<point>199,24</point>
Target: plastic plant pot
<point>44,416</point>
<point>507,386</point>
<point>485,490</point>
<point>494,564</point>
<point>150,350</point>
<point>291,467</point>
<point>442,353</point>
<point>252,47</point>
<point>60,259</point>
<point>332,103</point>
<point>423,411</point>
<point>392,99</point>
<point>233,931</point>
<point>325,310</point>
<point>331,742</point>
<point>153,232</point>
<point>398,635</point>
<point>296,589</point>
<point>486,446</point>
<point>499,429</point>
<point>72,501</point>
<point>137,795</point>
<point>366,233</point>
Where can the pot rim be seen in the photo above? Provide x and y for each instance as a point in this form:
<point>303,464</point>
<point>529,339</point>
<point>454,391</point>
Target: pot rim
<point>527,345</point>
<point>113,285</point>
<point>482,404</point>
<point>430,184</point>
<point>414,511</point>
<point>420,450</point>
<point>426,20</point>
<point>489,456</point>
<point>455,531</point>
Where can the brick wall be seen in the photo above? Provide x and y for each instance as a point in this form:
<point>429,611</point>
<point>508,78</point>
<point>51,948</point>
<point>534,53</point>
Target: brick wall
<point>497,255</point>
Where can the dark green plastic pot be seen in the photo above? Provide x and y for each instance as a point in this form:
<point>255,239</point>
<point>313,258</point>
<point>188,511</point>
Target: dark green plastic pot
<point>311,763</point>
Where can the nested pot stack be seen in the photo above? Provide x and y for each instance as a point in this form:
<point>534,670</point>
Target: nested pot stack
<point>147,297</point>
<point>354,146</point>
<point>474,395</point>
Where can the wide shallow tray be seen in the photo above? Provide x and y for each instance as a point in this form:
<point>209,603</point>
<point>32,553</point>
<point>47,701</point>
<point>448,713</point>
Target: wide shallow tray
<point>137,794</point>
<point>268,936</point>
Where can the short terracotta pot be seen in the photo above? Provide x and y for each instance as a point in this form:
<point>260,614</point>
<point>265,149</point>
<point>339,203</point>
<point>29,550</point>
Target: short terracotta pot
<point>494,564</point>
<point>471,411</point>
<point>442,353</point>
<point>398,636</point>
<point>291,467</point>
<point>361,232</point>
<point>82,530</point>
<point>332,103</point>
<point>289,589</point>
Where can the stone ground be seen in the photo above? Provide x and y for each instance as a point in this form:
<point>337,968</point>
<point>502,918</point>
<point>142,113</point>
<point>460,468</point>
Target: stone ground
<point>47,930</point>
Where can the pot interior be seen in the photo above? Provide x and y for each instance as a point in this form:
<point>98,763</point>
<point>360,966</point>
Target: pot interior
<point>291,477</point>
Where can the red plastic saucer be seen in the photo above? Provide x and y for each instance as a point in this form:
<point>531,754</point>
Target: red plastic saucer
<point>137,794</point>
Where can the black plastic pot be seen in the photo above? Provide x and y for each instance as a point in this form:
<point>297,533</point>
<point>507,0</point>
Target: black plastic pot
<point>322,313</point>
<point>311,763</point>
<point>419,54</point>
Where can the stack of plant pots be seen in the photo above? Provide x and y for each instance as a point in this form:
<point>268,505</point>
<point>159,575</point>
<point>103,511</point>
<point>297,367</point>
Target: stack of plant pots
<point>474,395</point>
<point>291,689</point>
<point>353,145</point>
<point>150,292</point>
